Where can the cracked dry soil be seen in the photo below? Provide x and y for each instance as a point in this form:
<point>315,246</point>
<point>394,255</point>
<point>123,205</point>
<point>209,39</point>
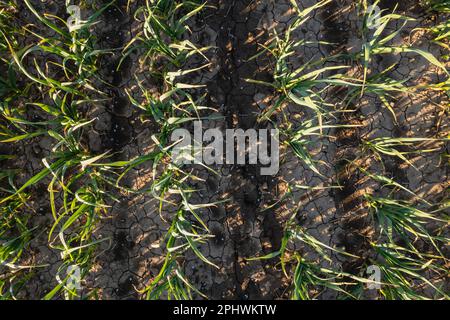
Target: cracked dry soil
<point>251,223</point>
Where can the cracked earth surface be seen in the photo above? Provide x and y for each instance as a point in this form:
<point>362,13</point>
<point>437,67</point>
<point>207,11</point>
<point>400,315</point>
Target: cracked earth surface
<point>251,221</point>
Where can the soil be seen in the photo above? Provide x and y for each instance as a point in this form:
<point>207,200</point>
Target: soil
<point>252,222</point>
